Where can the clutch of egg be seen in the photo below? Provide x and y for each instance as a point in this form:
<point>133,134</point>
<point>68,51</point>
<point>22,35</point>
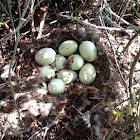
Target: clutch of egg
<point>68,63</point>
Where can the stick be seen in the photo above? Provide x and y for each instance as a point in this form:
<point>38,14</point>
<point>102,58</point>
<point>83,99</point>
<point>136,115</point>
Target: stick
<point>23,21</point>
<point>124,21</point>
<point>11,19</point>
<point>130,41</point>
<point>32,20</point>
<point>92,25</point>
<point>11,64</point>
<point>110,44</point>
<point>4,9</point>
<point>131,77</point>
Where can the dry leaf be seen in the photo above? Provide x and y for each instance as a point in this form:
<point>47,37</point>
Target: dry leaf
<point>93,88</point>
<point>108,83</point>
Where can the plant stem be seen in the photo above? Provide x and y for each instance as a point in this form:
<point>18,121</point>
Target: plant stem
<point>32,20</point>
<point>11,19</point>
<point>130,41</point>
<point>131,77</point>
<point>10,81</point>
<point>4,9</point>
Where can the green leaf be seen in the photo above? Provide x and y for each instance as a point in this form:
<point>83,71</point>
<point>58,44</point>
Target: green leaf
<point>77,16</point>
<point>137,138</point>
<point>1,23</point>
<point>72,2</point>
<point>116,112</point>
<point>133,3</point>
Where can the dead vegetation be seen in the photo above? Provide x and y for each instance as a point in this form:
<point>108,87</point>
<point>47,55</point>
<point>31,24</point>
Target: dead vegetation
<point>108,109</point>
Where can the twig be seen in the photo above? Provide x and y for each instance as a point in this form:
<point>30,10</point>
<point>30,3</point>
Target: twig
<point>122,102</point>
<point>23,21</point>
<point>38,4</point>
<point>130,41</point>
<point>132,134</point>
<point>110,133</point>
<point>32,20</point>
<point>11,64</point>
<point>124,125</point>
<point>137,13</point>
<point>131,77</point>
<point>4,9</point>
<point>1,127</point>
<point>110,44</point>
<point>46,129</point>
<point>11,19</point>
<point>37,133</point>
<point>124,21</point>
<point>125,8</point>
<point>22,24</point>
<point>25,10</point>
<point>19,9</point>
<point>92,25</point>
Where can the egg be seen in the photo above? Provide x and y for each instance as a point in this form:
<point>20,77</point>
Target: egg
<point>88,51</point>
<point>56,86</point>
<point>60,62</point>
<point>67,76</point>
<point>47,72</point>
<point>45,56</point>
<point>87,74</point>
<point>75,62</point>
<point>67,47</point>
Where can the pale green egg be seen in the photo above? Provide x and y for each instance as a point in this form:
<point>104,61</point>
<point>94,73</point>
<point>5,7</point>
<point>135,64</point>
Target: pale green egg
<point>45,56</point>
<point>87,74</point>
<point>67,76</point>
<point>56,86</point>
<point>60,62</point>
<point>67,47</point>
<point>75,62</point>
<point>47,73</point>
<point>88,51</point>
